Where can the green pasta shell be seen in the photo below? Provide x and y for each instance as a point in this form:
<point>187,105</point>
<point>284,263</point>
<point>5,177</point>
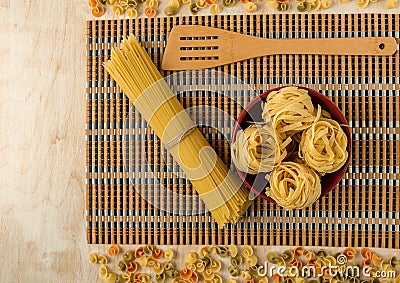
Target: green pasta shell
<point>274,258</point>
<point>288,256</point>
<point>194,9</point>
<point>170,11</point>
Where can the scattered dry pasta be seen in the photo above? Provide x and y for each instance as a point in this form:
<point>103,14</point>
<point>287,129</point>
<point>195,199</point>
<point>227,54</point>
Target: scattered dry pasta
<point>252,272</point>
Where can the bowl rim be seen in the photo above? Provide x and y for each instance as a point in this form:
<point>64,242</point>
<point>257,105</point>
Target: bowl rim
<point>338,175</point>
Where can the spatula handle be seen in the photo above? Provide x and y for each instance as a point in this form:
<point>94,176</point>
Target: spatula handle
<point>327,46</point>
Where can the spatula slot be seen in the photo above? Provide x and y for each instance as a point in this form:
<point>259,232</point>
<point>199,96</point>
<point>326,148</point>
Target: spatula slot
<point>198,37</point>
<point>210,58</point>
<point>199,48</point>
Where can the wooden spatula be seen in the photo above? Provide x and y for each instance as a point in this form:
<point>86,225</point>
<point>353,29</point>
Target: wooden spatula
<point>197,47</point>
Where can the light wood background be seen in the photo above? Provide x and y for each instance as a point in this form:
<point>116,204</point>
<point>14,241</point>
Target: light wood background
<point>42,143</point>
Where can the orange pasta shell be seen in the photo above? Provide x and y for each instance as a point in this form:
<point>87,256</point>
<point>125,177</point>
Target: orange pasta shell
<point>299,251</point>
<point>250,281</point>
<point>327,274</point>
<point>376,259</point>
<point>132,266</point>
<point>350,253</point>
<point>194,278</point>
<point>297,263</point>
<point>186,273</point>
<point>139,252</point>
<point>113,250</point>
<point>157,254</point>
<point>149,12</point>
<point>92,3</point>
<point>277,278</point>
<point>366,253</point>
<point>311,262</point>
<point>98,11</point>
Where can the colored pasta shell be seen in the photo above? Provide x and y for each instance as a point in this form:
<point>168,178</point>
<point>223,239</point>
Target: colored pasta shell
<point>92,3</point>
<point>247,251</point>
<point>122,266</point>
<point>168,266</point>
<point>299,251</point>
<point>194,9</point>
<point>200,266</point>
<point>160,278</point>
<point>168,254</point>
<point>98,11</point>
<point>237,260</point>
<point>132,13</point>
<point>350,253</point>
<point>228,3</point>
<point>191,257</point>
<point>208,274</point>
<point>288,256</point>
<point>118,10</point>
<point>245,274</point>
<point>233,271</point>
<point>391,4</point>
<point>250,7</point>
<point>111,277</point>
<point>157,254</point>
<point>186,273</point>
<point>132,266</point>
<point>150,12</point>
<point>204,251</point>
<point>274,258</point>
<point>103,272</point>
<point>251,260</point>
<point>304,6</point>
<point>152,3</point>
<point>139,252</point>
<point>113,250</point>
<point>129,256</point>
<point>158,268</point>
<point>194,278</point>
<point>233,251</point>
<point>93,258</point>
<point>366,253</point>
<point>215,265</point>
<point>170,11</point>
<point>102,259</point>
<point>215,9</point>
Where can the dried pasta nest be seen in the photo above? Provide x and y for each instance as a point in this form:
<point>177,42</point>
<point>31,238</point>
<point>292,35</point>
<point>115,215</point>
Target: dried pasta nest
<point>323,146</point>
<point>290,110</point>
<point>254,149</point>
<point>294,185</point>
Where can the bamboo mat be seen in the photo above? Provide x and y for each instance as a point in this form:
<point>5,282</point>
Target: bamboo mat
<point>132,183</point>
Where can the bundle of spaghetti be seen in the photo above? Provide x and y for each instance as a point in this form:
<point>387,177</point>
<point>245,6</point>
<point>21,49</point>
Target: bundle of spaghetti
<point>294,185</point>
<point>222,192</point>
<point>323,146</point>
<point>254,149</point>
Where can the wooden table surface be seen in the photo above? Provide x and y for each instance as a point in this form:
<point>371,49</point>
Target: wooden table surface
<point>42,143</point>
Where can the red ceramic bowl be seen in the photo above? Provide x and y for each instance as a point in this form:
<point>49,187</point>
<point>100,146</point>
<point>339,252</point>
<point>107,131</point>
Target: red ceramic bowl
<point>252,113</point>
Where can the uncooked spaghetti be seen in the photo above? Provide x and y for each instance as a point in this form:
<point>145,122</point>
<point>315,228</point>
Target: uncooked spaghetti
<point>223,194</point>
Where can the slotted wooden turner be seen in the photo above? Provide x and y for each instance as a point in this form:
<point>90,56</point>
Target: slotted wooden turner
<point>196,47</point>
